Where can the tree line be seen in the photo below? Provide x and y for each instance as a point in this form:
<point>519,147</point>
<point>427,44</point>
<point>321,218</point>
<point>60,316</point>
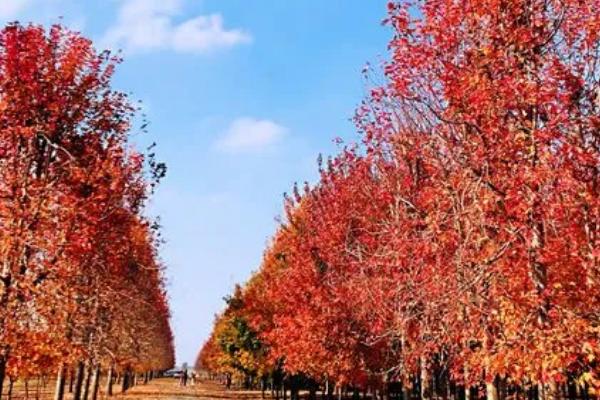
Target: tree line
<point>82,290</point>
<point>454,250</point>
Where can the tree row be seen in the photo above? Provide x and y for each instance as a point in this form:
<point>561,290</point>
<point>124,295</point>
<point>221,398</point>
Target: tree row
<point>81,284</point>
<point>454,251</point>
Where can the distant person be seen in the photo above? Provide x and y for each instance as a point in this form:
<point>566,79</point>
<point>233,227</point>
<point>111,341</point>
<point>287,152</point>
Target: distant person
<point>183,379</point>
<point>228,382</point>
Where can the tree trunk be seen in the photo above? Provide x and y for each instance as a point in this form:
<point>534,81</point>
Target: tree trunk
<point>329,389</point>
<point>552,391</point>
<point>37,388</point>
<point>491,391</point>
<point>424,378</point>
<point>405,392</point>
<point>59,392</point>
<point>109,382</point>
<point>11,382</point>
<point>86,386</point>
<point>385,388</point>
<point>71,378</point>
<point>571,390</point>
<point>2,374</point>
<point>125,382</point>
<point>78,381</point>
<point>95,382</point>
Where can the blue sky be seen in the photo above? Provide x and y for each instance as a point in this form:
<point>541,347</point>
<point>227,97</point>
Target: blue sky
<point>241,97</point>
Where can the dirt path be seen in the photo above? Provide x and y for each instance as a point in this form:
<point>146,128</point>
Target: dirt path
<point>169,389</point>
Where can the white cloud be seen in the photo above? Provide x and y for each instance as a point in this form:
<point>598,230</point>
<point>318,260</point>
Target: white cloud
<point>144,25</point>
<point>250,135</point>
<point>12,8</point>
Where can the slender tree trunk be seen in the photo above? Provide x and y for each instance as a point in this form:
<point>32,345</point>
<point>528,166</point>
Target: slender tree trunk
<point>37,387</point>
<point>571,390</point>
<point>95,382</point>
<point>329,389</point>
<point>71,378</point>
<point>385,388</point>
<point>11,383</point>
<point>491,390</point>
<point>123,377</point>
<point>424,378</point>
<point>125,382</point>
<point>405,392</point>
<point>60,383</point>
<point>2,374</point>
<point>109,382</point>
<point>78,380</point>
<point>552,391</point>
<point>86,386</point>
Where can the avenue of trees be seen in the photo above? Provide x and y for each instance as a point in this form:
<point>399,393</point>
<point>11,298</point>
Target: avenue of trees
<point>455,250</point>
<point>81,286</point>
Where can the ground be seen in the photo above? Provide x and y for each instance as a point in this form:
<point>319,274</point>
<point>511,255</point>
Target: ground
<point>158,389</point>
<point>169,389</point>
